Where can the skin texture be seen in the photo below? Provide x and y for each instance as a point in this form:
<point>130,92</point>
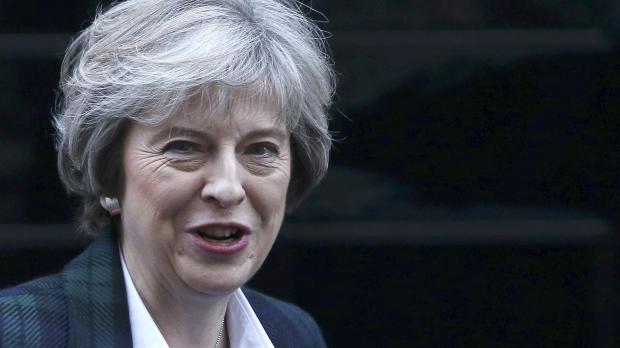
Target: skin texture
<point>200,168</point>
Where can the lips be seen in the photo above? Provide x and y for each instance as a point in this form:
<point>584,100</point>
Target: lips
<point>221,238</point>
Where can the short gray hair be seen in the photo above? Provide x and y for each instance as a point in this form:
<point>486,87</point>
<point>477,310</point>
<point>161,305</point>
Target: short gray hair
<point>142,60</point>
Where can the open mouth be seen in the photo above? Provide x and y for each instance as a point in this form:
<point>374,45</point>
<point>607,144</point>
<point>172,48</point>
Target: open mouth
<point>221,239</point>
<point>220,234</point>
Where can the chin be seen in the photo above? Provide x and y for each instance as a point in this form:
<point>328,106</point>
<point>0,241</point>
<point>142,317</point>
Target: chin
<point>215,280</point>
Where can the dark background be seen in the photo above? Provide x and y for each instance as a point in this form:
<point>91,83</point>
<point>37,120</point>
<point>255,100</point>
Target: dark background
<point>473,192</point>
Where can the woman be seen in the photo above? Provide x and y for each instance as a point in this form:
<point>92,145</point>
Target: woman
<point>187,128</point>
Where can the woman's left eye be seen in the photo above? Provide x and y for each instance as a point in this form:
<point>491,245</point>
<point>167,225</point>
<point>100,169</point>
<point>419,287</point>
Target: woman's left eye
<point>263,150</point>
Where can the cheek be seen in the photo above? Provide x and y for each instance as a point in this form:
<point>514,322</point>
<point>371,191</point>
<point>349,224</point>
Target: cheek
<point>271,199</point>
<point>161,193</point>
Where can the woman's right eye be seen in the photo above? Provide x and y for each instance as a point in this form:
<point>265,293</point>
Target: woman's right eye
<point>181,147</point>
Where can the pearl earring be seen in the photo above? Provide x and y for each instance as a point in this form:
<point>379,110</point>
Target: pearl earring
<point>111,205</point>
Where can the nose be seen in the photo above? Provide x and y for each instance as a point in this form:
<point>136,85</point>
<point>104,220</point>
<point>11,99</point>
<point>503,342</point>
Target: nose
<point>223,185</point>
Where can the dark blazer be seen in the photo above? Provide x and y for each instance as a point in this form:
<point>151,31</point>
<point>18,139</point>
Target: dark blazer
<point>85,305</point>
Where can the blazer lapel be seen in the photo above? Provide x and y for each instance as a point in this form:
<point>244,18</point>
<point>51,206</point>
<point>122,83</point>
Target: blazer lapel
<point>95,288</point>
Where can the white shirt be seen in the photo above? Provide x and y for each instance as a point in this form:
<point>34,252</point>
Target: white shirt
<point>244,328</point>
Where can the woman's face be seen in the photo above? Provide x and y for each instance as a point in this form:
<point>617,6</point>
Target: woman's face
<point>204,197</point>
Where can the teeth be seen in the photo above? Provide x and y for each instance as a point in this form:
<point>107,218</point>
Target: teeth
<point>218,232</point>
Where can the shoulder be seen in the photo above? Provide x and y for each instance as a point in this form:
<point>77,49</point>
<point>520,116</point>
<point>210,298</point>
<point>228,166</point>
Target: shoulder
<point>285,323</point>
<point>46,292</point>
<point>34,314</point>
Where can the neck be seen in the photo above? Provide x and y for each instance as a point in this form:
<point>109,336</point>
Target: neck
<point>184,317</point>
<point>188,325</point>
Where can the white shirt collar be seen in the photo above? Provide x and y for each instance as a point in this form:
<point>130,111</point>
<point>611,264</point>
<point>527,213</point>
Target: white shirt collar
<point>244,328</point>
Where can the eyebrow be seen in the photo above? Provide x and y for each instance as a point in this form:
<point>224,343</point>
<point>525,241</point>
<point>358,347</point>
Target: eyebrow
<point>193,133</point>
<point>176,131</point>
<point>267,132</point>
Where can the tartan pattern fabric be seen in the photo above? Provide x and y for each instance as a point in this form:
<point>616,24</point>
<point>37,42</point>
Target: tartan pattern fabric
<point>85,305</point>
<point>32,315</point>
<point>286,324</point>
<point>97,298</point>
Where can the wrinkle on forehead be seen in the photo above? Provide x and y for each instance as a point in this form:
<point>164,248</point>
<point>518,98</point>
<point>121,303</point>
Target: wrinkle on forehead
<point>237,106</point>
<point>220,102</point>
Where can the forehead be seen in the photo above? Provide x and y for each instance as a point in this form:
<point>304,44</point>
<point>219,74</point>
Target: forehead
<point>213,106</point>
<point>239,122</point>
<point>241,112</point>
